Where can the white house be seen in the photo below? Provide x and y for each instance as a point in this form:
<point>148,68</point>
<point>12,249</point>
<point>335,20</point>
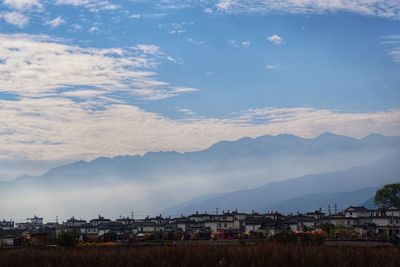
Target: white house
<point>148,227</point>
<point>393,211</point>
<point>99,220</point>
<point>355,212</point>
<point>74,223</point>
<point>6,225</point>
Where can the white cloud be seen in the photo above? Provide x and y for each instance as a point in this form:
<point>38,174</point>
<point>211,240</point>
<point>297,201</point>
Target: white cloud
<point>273,67</point>
<point>309,122</point>
<point>190,40</point>
<point>275,39</point>
<point>75,28</point>
<point>92,5</point>
<point>148,49</point>
<point>243,44</point>
<point>208,10</point>
<point>395,54</point>
<point>56,22</point>
<point>226,4</point>
<point>15,18</point>
<point>74,2</point>
<point>93,29</point>
<point>34,66</point>
<point>23,4</point>
<point>187,112</point>
<point>391,39</point>
<point>135,16</point>
<point>380,8</point>
<point>175,27</point>
<point>393,44</point>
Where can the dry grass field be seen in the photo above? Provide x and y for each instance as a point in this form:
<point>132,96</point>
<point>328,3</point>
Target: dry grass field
<point>269,254</point>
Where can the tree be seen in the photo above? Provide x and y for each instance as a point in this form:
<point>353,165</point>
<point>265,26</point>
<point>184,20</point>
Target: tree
<point>388,195</point>
<point>66,239</point>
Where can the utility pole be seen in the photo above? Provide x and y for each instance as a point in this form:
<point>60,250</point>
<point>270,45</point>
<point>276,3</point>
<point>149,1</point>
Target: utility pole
<point>132,215</point>
<point>392,223</point>
<point>216,210</point>
<point>335,218</point>
<point>329,219</point>
<point>56,226</point>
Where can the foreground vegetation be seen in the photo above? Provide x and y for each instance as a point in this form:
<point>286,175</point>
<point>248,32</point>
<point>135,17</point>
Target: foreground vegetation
<point>269,254</point>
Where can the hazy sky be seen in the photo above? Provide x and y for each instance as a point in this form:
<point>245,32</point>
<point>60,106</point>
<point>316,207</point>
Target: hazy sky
<point>84,78</point>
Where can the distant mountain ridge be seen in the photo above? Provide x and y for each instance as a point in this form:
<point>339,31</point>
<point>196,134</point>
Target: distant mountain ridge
<point>350,187</point>
<point>315,155</point>
<point>167,178</point>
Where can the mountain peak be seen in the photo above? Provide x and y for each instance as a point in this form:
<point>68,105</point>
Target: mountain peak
<point>329,135</point>
<point>375,136</point>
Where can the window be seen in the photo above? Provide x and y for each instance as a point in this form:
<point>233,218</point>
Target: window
<point>225,225</point>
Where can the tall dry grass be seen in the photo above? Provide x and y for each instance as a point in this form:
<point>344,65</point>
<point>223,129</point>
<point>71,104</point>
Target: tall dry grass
<point>270,254</point>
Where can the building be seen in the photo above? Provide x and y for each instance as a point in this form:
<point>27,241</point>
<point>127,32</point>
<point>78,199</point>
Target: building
<point>6,225</point>
<point>99,220</point>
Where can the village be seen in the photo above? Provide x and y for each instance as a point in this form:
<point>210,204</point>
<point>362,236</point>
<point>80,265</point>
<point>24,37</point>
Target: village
<point>353,223</point>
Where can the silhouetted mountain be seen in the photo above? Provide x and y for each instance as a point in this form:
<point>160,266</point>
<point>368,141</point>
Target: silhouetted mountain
<point>246,162</point>
<point>311,202</point>
<point>305,193</point>
<point>369,203</point>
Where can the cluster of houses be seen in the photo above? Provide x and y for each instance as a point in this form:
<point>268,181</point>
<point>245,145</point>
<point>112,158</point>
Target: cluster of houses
<point>361,222</point>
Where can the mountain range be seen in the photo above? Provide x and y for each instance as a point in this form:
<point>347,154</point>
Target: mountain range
<point>344,188</point>
<point>329,167</point>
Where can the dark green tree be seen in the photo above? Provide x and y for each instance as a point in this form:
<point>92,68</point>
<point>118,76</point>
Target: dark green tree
<point>66,239</point>
<point>388,195</point>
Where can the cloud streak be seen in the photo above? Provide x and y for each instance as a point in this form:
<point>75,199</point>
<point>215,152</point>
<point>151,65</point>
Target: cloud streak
<point>380,8</point>
<point>243,44</point>
<point>393,44</point>
<point>54,23</point>
<point>92,5</point>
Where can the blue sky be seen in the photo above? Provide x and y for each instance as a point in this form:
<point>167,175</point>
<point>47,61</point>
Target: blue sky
<point>85,78</point>
<point>331,60</point>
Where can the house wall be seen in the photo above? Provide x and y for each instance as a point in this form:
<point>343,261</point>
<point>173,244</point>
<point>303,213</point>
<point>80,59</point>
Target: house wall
<point>182,226</point>
<point>252,228</point>
<point>356,214</point>
<point>380,221</point>
<point>213,226</point>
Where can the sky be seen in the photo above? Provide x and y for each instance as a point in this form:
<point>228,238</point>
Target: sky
<point>81,79</point>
